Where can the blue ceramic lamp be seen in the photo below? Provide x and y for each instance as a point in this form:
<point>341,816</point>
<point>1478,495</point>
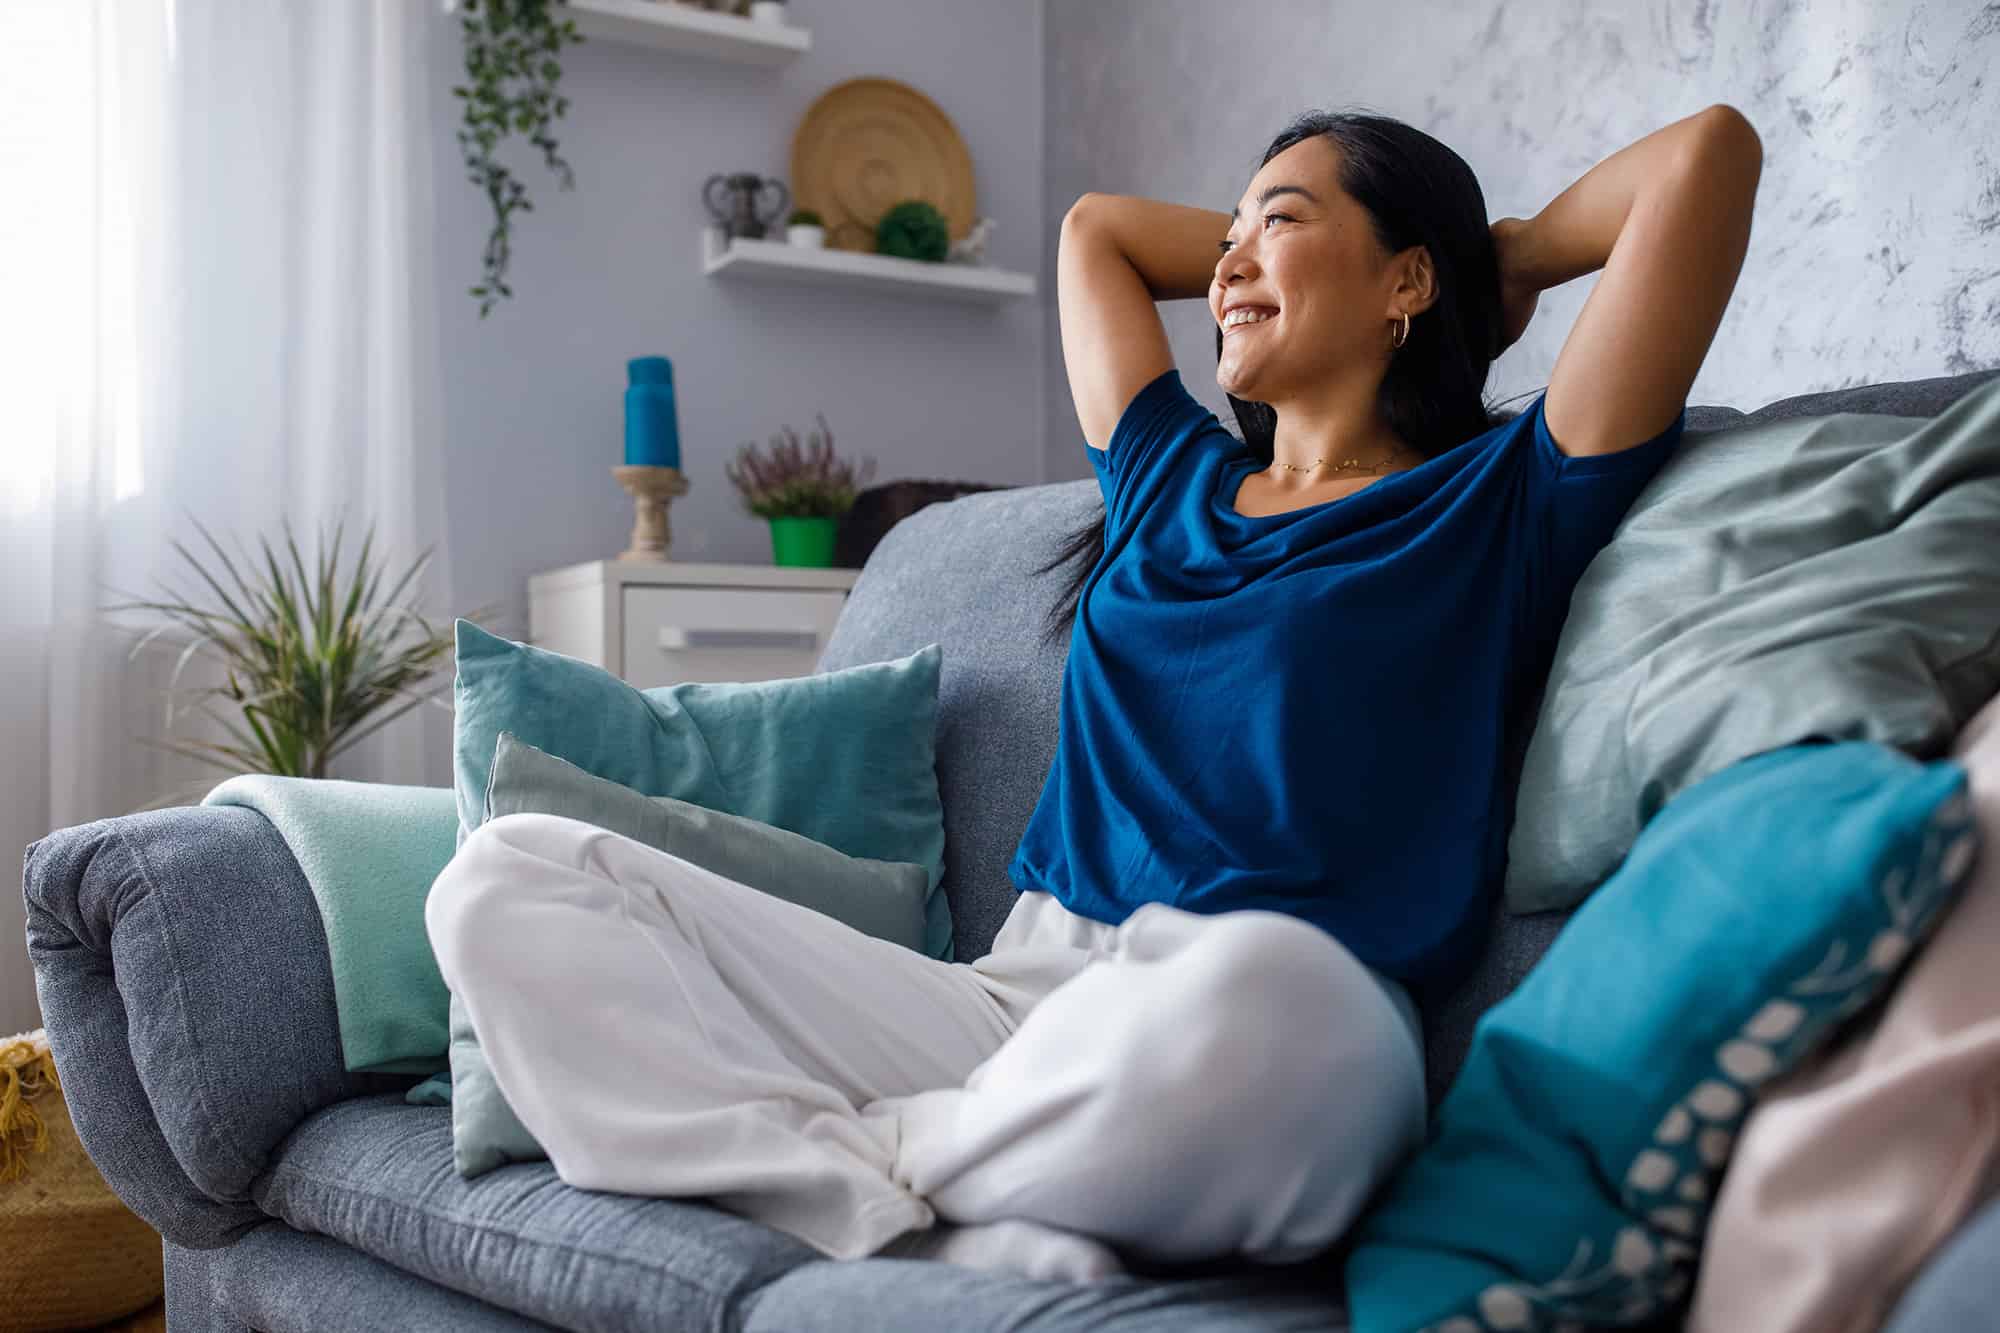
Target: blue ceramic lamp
<point>652,471</point>
<point>652,433</point>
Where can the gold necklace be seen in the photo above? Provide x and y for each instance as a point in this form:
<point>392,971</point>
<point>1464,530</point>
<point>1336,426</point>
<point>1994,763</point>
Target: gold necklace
<point>1346,462</point>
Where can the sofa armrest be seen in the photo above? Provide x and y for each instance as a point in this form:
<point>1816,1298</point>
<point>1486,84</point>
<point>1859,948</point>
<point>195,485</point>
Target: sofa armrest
<point>183,977</point>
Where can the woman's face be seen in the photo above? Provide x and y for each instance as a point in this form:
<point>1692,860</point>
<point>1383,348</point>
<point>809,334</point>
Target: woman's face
<point>1303,251</point>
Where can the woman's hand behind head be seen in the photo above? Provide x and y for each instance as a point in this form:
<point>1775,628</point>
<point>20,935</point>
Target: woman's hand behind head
<point>1518,296</point>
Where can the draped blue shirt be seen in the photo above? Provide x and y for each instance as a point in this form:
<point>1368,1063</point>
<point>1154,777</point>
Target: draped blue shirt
<point>1306,712</point>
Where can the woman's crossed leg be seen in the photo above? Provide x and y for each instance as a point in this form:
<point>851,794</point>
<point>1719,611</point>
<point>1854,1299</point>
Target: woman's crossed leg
<point>1228,1084</point>
<point>1185,1086</point>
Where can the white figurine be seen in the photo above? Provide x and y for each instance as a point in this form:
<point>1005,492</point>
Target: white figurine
<point>971,250</point>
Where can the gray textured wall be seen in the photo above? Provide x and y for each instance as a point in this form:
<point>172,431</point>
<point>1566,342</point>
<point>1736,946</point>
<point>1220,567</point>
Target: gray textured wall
<point>1875,254</point>
<point>612,270</point>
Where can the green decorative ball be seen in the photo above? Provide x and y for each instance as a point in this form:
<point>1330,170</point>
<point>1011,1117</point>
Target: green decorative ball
<point>913,229</point>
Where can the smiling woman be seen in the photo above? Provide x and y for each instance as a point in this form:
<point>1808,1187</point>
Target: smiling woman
<point>1337,268</point>
<point>1390,295</point>
<point>1275,638</point>
<point>1369,239</point>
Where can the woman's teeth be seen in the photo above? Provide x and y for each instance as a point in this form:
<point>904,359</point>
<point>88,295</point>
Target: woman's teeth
<point>1246,316</point>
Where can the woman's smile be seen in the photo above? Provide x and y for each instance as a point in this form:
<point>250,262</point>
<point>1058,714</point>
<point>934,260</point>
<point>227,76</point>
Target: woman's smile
<point>1257,320</point>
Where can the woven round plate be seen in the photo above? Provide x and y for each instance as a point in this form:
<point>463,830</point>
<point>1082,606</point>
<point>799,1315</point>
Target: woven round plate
<point>869,144</point>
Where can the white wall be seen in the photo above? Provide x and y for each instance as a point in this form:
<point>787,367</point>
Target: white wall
<point>612,270</point>
<point>1875,253</point>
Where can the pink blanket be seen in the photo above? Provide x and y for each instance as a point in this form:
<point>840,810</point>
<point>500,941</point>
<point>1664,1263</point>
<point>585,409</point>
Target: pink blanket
<point>1851,1170</point>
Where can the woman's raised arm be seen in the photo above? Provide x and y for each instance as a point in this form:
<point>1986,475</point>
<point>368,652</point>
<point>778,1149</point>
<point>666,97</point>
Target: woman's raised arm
<point>1119,254</point>
<point>1668,220</point>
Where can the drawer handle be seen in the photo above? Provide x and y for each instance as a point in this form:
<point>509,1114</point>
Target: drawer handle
<point>677,638</point>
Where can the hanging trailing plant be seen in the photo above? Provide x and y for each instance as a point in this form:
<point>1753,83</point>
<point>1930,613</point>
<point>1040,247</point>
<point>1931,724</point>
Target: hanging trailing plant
<point>511,50</point>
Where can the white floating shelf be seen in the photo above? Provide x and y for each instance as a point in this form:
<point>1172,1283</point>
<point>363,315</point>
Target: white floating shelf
<point>676,27</point>
<point>778,261</point>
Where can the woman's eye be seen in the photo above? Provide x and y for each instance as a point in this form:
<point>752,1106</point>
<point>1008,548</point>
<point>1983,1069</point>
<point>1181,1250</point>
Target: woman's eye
<point>1223,246</point>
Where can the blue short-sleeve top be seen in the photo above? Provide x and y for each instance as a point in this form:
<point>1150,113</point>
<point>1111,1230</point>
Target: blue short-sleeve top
<point>1305,712</point>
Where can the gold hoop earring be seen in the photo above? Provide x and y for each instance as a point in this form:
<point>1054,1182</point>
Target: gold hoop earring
<point>1394,341</point>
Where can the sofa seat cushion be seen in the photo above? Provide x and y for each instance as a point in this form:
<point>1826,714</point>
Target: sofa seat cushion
<point>923,1296</point>
<point>277,1280</point>
<point>377,1173</point>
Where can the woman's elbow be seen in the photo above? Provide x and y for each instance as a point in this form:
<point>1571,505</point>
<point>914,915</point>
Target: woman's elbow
<point>1732,130</point>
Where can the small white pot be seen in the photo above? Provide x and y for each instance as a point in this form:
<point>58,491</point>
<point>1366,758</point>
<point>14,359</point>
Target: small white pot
<point>807,237</point>
<point>768,11</point>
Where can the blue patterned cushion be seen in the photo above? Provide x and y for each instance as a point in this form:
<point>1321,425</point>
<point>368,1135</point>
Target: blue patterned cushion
<point>1567,1177</point>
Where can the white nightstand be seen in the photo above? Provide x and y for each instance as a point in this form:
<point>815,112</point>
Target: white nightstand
<point>664,623</point>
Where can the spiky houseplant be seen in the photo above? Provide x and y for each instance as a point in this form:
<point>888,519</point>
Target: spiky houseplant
<point>312,667</point>
<point>794,480</point>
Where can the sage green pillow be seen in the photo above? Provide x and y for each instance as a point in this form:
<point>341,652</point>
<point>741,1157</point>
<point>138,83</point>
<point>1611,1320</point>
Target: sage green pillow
<point>880,898</point>
<point>1824,577</point>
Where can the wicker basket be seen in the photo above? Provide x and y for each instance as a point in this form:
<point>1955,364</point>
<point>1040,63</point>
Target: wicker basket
<point>75,1255</point>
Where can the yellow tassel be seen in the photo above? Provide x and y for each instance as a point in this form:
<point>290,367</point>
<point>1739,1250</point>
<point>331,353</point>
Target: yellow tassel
<point>27,1069</point>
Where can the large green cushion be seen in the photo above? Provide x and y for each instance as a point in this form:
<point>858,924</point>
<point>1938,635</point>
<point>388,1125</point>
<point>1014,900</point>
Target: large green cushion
<point>1822,576</point>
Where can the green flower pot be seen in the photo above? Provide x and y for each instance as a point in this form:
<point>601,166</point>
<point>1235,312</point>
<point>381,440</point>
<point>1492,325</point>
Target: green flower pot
<point>803,541</point>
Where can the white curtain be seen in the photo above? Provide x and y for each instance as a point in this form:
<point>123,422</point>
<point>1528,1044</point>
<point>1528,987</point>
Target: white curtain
<point>216,304</point>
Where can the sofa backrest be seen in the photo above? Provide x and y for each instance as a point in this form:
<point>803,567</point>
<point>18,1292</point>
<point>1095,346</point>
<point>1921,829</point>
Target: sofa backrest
<point>961,573</point>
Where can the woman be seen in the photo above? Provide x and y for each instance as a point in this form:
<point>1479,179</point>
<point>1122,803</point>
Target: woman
<point>1276,818</point>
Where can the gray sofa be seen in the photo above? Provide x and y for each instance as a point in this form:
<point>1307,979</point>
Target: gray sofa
<point>184,981</point>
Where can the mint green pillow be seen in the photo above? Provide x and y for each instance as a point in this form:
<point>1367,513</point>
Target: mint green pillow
<point>847,758</point>
<point>884,899</point>
<point>1567,1176</point>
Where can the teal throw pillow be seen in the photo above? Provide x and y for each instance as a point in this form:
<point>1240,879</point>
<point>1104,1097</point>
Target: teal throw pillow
<point>884,899</point>
<point>847,758</point>
<point>1567,1175</point>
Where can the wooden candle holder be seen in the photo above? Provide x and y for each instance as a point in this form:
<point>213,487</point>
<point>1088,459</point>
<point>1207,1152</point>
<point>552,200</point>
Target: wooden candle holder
<point>652,489</point>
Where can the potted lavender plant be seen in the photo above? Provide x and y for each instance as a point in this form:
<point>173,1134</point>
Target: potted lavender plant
<point>801,489</point>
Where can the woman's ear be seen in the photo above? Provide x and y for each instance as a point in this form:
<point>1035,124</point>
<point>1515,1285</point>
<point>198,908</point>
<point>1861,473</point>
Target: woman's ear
<point>1423,281</point>
<point>1416,287</point>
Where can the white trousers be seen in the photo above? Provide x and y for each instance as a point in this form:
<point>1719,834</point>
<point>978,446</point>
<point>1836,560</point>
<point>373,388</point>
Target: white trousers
<point>1182,1086</point>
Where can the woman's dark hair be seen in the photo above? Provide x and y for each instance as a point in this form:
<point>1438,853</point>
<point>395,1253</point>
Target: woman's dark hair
<point>1416,192</point>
